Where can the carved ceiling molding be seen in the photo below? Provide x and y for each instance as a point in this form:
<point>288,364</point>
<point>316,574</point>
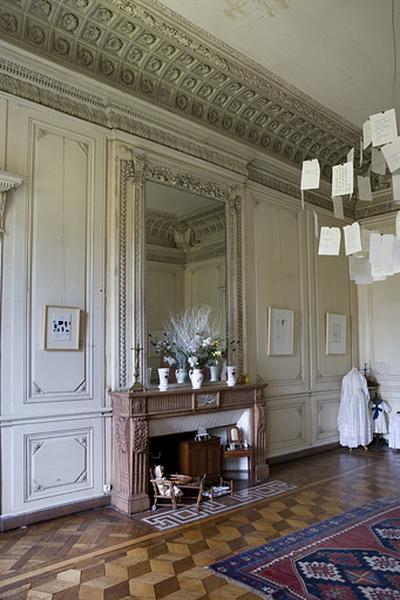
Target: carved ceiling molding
<point>148,51</point>
<point>382,203</point>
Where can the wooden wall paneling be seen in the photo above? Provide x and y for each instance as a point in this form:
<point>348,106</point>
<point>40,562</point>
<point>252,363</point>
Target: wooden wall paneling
<point>331,291</point>
<point>47,478</point>
<point>281,283</point>
<point>287,427</point>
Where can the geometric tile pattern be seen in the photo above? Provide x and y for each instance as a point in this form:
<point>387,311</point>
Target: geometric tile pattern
<point>172,518</point>
<point>121,560</point>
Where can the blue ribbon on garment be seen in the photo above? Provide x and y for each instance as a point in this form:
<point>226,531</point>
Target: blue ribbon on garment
<point>376,410</point>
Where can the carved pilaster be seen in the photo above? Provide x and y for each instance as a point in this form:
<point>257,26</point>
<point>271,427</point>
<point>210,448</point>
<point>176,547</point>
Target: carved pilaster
<point>261,469</point>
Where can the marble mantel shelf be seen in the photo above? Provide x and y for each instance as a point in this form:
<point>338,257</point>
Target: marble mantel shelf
<point>132,412</point>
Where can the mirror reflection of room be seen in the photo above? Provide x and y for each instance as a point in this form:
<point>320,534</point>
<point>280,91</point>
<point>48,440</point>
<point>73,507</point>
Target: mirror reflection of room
<point>185,259</point>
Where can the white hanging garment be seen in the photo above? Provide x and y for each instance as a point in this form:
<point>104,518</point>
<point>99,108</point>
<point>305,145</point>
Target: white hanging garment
<point>379,414</point>
<point>354,418</point>
<point>394,432</point>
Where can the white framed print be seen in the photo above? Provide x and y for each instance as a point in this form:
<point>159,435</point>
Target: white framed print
<point>61,327</point>
<point>280,331</point>
<point>336,326</point>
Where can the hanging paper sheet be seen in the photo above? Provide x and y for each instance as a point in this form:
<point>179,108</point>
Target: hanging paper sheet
<point>310,175</point>
<point>366,134</point>
<point>360,270</point>
<point>391,152</point>
<point>378,161</point>
<point>396,187</point>
<point>329,241</point>
<point>338,207</point>
<point>342,179</point>
<point>364,188</point>
<point>352,239</point>
<point>381,254</point>
<point>383,127</point>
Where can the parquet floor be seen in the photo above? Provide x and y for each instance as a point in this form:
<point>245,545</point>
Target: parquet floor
<point>102,555</point>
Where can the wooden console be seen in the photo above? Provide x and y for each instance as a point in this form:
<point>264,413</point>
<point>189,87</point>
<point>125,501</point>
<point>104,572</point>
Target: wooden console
<point>132,412</point>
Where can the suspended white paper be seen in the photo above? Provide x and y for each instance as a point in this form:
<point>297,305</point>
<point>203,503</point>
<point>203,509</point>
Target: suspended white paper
<point>366,134</point>
<point>310,175</point>
<point>361,152</point>
<point>396,187</point>
<point>352,238</point>
<point>316,230</point>
<point>365,236</point>
<point>380,278</point>
<point>364,188</point>
<point>338,207</point>
<point>329,241</point>
<point>381,254</point>
<point>391,152</point>
<point>398,225</point>
<point>378,162</point>
<point>342,179</point>
<point>360,270</point>
<point>383,127</point>
<point>350,155</point>
<point>396,256</point>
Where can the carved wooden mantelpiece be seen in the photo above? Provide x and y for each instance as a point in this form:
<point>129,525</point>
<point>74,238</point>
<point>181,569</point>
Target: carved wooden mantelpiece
<point>132,412</point>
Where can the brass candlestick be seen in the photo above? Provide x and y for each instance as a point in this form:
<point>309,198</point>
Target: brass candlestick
<point>137,385</point>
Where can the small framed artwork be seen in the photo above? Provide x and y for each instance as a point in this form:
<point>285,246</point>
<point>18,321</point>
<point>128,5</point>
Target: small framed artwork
<point>61,327</point>
<point>280,332</point>
<point>336,326</point>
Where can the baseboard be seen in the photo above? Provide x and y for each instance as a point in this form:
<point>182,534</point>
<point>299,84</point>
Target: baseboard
<point>282,458</point>
<point>15,521</point>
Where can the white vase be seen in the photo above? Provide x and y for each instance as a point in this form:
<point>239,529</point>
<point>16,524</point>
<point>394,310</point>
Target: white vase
<point>231,372</point>
<point>196,377</point>
<point>163,374</point>
<point>214,372</point>
<point>180,375</point>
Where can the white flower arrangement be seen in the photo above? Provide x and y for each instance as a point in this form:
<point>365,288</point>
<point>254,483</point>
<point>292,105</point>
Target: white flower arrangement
<point>191,337</point>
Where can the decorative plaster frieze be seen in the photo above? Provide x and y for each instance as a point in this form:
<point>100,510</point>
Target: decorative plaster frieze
<point>145,50</point>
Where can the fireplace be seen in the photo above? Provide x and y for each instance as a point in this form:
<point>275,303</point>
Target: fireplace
<point>138,417</point>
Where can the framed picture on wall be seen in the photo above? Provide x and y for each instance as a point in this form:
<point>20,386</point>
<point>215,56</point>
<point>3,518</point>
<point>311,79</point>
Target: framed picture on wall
<point>280,331</point>
<point>336,326</point>
<point>61,327</point>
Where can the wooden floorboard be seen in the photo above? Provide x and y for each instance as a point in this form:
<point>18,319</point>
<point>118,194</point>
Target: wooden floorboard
<point>103,555</point>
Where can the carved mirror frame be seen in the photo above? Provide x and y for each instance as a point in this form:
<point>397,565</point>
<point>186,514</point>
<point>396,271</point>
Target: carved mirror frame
<point>137,171</point>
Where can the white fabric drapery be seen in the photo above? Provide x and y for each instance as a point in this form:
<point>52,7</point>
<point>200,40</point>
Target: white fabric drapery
<point>354,418</point>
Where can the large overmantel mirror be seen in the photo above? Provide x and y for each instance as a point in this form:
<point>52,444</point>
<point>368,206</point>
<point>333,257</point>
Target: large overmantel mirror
<point>187,250</point>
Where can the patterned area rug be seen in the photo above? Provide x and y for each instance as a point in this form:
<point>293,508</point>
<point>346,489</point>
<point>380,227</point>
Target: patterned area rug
<point>163,519</point>
<point>354,556</point>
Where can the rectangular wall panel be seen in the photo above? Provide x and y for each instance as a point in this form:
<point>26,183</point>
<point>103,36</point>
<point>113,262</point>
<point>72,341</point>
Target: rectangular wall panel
<point>279,284</point>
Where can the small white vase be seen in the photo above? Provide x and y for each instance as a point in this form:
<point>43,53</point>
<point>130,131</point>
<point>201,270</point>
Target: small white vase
<point>231,372</point>
<point>214,372</point>
<point>163,374</point>
<point>196,377</point>
<point>180,375</point>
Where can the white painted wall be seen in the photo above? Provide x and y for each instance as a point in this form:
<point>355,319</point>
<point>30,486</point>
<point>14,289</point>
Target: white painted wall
<point>379,310</point>
<point>52,402</point>
<point>304,388</point>
<point>55,412</point>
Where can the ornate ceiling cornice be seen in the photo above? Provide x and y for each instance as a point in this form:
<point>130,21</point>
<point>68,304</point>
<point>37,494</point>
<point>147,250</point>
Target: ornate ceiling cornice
<point>146,50</point>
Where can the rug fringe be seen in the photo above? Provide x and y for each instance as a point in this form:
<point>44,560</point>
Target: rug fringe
<point>242,585</point>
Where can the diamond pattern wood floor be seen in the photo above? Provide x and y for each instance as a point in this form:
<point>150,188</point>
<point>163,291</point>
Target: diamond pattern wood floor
<point>102,555</point>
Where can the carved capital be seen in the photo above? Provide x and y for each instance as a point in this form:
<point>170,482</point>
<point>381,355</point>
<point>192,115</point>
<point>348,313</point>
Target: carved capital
<point>8,181</point>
